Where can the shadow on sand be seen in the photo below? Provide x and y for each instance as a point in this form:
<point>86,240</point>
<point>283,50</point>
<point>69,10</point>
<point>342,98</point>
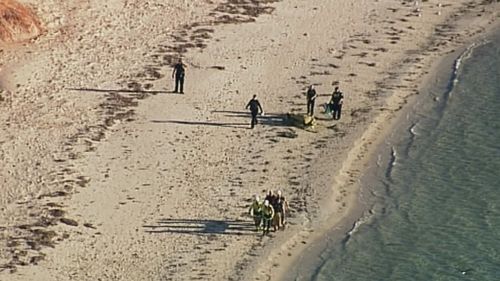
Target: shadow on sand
<point>199,123</point>
<point>202,227</point>
<point>121,91</point>
<point>269,119</point>
<point>279,120</point>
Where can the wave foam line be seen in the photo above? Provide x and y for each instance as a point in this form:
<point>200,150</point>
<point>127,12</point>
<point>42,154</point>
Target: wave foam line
<point>357,224</point>
<point>392,163</point>
<point>457,66</point>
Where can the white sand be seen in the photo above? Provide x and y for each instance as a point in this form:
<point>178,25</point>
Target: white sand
<point>162,194</point>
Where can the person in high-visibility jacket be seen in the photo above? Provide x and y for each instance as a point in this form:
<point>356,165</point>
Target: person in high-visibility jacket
<point>256,212</point>
<point>267,216</point>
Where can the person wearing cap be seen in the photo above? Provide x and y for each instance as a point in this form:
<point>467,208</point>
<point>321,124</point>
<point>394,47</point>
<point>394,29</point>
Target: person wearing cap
<point>256,212</point>
<point>267,215</point>
<point>311,98</point>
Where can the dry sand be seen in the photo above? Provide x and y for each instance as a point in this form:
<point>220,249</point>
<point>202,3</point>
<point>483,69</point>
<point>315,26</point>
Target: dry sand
<point>107,175</point>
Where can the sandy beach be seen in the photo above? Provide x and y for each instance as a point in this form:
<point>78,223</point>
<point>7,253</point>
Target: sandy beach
<point>105,174</point>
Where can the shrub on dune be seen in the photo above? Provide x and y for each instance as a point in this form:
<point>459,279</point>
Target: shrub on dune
<point>17,22</point>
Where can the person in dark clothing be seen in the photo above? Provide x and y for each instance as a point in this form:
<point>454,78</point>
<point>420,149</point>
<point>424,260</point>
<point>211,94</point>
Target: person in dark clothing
<point>336,103</point>
<point>278,213</point>
<point>311,98</point>
<point>270,196</point>
<point>178,73</point>
<point>273,200</point>
<point>254,106</point>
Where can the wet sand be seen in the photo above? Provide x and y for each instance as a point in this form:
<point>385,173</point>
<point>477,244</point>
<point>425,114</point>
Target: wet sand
<point>435,82</point>
<point>108,175</point>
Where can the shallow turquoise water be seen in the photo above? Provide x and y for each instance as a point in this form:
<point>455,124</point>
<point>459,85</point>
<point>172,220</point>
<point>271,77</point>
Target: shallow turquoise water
<point>436,211</point>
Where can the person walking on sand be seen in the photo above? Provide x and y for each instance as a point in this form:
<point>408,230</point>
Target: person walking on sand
<point>283,208</point>
<point>254,106</point>
<point>256,212</point>
<point>270,196</point>
<point>273,200</point>
<point>267,215</point>
<point>311,98</point>
<point>336,102</point>
<point>278,214</point>
<point>178,73</point>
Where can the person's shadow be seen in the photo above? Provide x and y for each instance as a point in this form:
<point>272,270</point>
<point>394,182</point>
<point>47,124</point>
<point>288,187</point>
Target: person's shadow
<point>132,91</point>
<point>200,123</point>
<point>268,119</point>
<point>201,227</point>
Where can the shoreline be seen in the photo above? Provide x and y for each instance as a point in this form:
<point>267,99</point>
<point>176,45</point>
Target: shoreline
<point>149,112</point>
<point>312,257</point>
<point>436,88</point>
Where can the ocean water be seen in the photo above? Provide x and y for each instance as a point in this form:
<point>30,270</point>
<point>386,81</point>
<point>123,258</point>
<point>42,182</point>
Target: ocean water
<point>435,205</point>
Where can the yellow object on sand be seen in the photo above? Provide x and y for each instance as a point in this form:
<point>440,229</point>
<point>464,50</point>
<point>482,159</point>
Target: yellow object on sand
<point>301,120</point>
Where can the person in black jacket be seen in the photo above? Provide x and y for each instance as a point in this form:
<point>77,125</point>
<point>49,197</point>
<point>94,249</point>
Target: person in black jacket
<point>336,102</point>
<point>254,106</point>
<point>311,98</point>
<point>178,73</point>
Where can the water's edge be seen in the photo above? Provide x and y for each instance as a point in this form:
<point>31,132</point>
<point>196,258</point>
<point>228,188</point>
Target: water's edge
<point>435,91</point>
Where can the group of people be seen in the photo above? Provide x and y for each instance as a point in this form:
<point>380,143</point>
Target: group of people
<point>333,107</point>
<point>271,212</point>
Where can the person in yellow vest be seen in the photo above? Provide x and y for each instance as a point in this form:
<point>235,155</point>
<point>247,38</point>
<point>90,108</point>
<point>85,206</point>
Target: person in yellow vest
<point>256,212</point>
<point>267,216</point>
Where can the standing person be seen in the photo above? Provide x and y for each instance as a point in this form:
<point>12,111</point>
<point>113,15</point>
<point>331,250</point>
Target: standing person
<point>267,216</point>
<point>311,98</point>
<point>178,73</point>
<point>254,106</point>
<point>256,212</point>
<point>283,205</point>
<point>278,213</point>
<point>337,100</point>
<point>273,200</point>
<point>271,197</point>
